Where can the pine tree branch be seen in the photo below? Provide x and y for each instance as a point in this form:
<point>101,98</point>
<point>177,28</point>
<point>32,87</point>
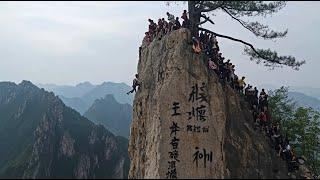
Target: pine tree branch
<point>258,29</point>
<point>253,8</point>
<point>209,6</point>
<point>270,58</point>
<point>239,20</point>
<point>206,19</point>
<point>231,38</point>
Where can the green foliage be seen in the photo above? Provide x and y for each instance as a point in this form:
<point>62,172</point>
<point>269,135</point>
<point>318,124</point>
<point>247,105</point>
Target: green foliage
<point>272,59</point>
<point>301,125</point>
<point>252,8</point>
<point>249,9</point>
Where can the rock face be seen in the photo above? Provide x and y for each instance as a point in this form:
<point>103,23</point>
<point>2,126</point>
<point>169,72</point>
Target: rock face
<point>40,137</point>
<point>187,125</point>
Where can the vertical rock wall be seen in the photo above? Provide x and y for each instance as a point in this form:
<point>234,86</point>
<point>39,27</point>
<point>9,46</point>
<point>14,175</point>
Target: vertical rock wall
<point>187,125</point>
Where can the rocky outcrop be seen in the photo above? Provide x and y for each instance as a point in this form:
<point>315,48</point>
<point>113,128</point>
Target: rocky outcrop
<point>67,145</point>
<point>187,125</point>
<point>82,171</point>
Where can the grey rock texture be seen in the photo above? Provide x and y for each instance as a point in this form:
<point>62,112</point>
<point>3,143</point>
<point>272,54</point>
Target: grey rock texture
<point>215,137</point>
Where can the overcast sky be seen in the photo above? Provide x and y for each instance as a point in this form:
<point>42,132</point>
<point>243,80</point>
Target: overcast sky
<point>72,42</point>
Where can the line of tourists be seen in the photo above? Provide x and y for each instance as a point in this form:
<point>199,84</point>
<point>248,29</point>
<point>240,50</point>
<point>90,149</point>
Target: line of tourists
<point>262,121</point>
<point>208,44</point>
<point>258,103</point>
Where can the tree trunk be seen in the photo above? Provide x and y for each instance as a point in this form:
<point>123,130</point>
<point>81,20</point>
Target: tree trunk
<point>194,17</point>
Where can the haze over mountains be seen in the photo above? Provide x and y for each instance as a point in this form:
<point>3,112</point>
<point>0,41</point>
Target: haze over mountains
<point>309,91</point>
<point>114,113</point>
<point>40,137</point>
<point>304,100</point>
<point>69,91</point>
<point>82,96</point>
<point>106,104</point>
<point>303,96</point>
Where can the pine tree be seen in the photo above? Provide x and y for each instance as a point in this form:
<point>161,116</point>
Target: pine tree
<point>238,10</point>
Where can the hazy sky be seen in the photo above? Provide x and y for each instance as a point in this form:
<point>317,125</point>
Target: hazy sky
<point>72,42</point>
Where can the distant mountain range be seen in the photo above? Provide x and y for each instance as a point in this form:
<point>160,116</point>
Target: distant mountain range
<point>69,91</point>
<point>303,96</point>
<point>40,137</point>
<point>303,100</point>
<point>82,96</point>
<point>114,116</point>
<point>309,91</point>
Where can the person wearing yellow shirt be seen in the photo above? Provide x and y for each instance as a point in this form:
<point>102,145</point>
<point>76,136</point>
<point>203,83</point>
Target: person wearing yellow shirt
<point>241,83</point>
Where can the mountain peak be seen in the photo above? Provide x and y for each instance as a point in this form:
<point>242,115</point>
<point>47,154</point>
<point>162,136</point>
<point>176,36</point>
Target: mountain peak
<point>107,83</point>
<point>28,84</point>
<point>115,116</point>
<point>35,123</point>
<point>205,137</point>
<point>84,84</point>
<point>110,98</point>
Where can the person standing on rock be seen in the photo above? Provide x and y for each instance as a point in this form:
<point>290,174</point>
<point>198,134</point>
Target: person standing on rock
<point>196,45</point>
<point>171,21</point>
<point>263,100</point>
<point>165,26</point>
<point>147,39</point>
<point>177,24</point>
<point>232,76</point>
<point>184,15</point>
<point>241,84</point>
<point>213,66</point>
<point>152,28</point>
<point>186,21</point>
<point>263,120</point>
<point>135,84</point>
<point>159,29</point>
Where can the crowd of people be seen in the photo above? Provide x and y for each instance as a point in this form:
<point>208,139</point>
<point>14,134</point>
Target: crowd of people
<point>163,27</point>
<point>157,31</point>
<point>258,103</point>
<point>262,121</point>
<point>208,44</point>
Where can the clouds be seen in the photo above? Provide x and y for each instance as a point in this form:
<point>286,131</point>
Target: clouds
<point>71,42</point>
<point>60,27</point>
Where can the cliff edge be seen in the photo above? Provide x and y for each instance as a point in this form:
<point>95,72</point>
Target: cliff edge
<point>187,125</point>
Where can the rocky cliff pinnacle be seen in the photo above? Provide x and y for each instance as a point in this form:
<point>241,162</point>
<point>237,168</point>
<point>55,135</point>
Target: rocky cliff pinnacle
<point>187,125</point>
